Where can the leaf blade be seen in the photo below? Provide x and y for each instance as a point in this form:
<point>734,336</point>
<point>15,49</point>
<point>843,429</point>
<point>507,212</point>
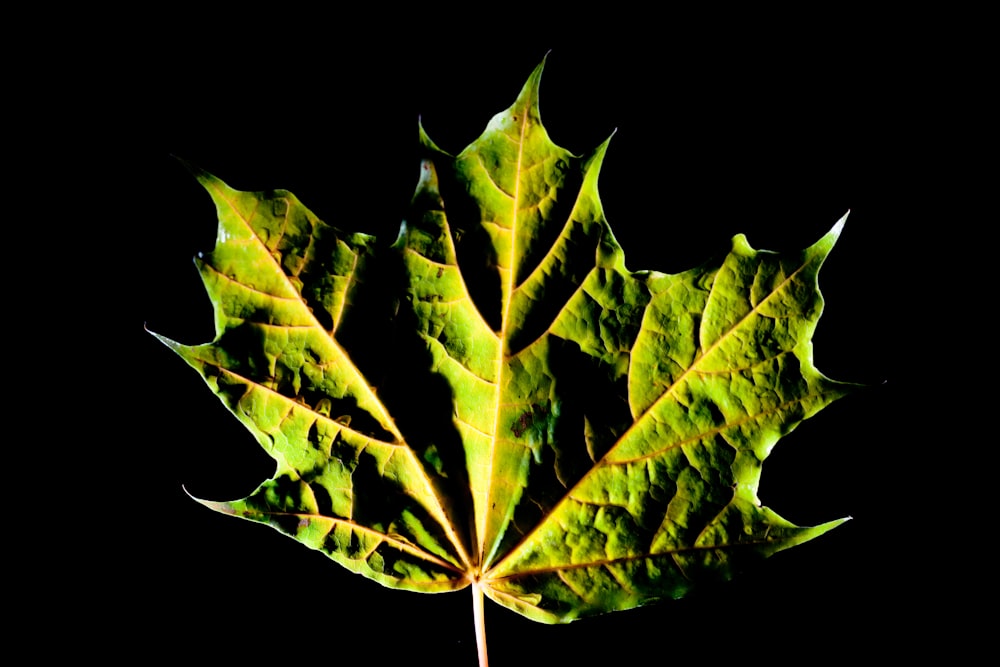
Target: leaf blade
<point>672,452</point>
<point>283,375</point>
<point>582,439</point>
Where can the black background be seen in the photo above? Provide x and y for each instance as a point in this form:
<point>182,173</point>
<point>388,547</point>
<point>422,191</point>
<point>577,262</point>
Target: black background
<point>723,127</point>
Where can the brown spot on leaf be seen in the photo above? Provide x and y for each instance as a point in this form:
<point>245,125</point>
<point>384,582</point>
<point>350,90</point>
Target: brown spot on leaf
<point>522,424</point>
<point>527,418</point>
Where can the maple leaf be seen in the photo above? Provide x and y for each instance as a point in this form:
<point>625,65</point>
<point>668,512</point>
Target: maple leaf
<point>495,400</point>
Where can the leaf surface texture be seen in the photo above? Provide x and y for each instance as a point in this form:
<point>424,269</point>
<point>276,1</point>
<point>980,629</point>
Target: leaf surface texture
<point>495,398</point>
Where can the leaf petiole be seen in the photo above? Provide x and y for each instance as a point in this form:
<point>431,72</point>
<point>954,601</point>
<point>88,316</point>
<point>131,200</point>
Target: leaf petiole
<point>477,613</point>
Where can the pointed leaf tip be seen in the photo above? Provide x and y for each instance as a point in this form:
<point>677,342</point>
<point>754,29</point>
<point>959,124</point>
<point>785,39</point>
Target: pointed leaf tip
<point>541,64</point>
<point>824,528</point>
<point>221,507</point>
<point>203,176</point>
<point>425,140</point>
<point>169,342</point>
<point>838,227</point>
<point>528,98</point>
<point>825,243</point>
<point>200,174</point>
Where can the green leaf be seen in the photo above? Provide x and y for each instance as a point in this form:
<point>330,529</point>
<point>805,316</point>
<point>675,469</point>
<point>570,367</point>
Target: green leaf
<point>494,399</point>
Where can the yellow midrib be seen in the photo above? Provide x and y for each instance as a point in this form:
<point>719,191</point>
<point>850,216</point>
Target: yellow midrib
<point>502,356</point>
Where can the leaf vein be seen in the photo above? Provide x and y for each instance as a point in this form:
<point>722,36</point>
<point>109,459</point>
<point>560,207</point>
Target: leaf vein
<point>669,553</point>
<point>249,288</point>
<point>492,180</point>
<point>254,385</point>
<point>396,542</point>
<point>714,431</point>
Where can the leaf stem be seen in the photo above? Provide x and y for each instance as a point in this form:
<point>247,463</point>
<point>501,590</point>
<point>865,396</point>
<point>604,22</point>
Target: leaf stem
<point>477,614</point>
